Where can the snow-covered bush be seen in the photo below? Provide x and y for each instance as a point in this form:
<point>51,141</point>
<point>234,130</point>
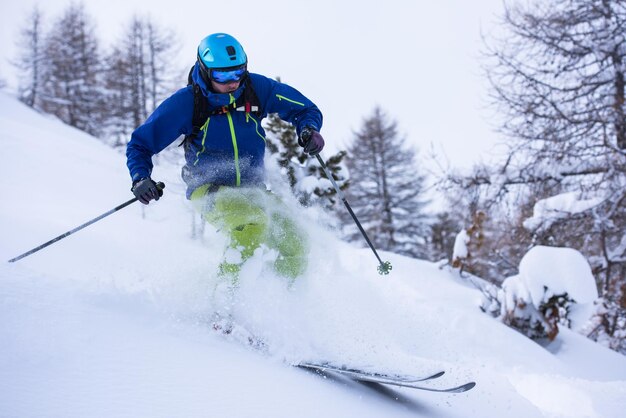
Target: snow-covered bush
<point>551,284</point>
<point>538,319</point>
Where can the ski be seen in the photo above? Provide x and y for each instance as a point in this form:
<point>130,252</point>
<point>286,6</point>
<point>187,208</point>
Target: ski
<point>377,375</point>
<point>387,379</point>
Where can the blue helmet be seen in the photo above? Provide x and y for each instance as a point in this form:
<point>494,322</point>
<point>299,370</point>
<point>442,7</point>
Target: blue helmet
<point>221,50</point>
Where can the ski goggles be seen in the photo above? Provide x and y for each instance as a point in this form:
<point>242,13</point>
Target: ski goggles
<point>227,75</point>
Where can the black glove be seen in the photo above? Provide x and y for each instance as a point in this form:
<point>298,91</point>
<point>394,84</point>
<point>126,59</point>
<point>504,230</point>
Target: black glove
<point>311,141</point>
<point>145,190</point>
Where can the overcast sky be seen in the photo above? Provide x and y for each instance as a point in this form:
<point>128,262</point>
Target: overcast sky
<point>418,60</point>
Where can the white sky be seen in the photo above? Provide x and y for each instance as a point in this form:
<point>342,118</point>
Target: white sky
<point>417,60</point>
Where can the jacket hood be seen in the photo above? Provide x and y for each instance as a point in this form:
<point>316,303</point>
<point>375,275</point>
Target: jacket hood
<point>215,99</point>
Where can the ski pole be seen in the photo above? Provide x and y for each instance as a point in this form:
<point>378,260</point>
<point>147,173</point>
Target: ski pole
<point>160,186</point>
<point>383,267</point>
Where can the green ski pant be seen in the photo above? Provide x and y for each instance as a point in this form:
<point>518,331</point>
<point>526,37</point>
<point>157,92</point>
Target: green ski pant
<point>252,217</point>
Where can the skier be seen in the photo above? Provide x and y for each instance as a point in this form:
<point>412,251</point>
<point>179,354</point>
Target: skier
<point>220,114</point>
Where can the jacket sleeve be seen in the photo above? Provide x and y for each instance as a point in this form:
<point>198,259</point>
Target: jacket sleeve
<point>169,121</point>
<point>291,105</point>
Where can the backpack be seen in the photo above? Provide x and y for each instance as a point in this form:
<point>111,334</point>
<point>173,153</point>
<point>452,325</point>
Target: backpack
<point>248,102</point>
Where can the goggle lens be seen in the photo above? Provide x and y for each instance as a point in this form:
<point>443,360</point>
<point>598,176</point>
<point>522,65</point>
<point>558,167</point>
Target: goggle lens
<point>226,76</point>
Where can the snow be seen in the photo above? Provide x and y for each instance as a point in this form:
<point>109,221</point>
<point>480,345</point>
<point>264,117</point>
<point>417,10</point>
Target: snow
<point>115,320</point>
<point>461,242</point>
<point>561,270</point>
<point>308,184</point>
<point>547,211</point>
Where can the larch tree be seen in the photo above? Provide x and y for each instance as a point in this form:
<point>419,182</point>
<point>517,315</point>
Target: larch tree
<point>30,63</point>
<point>73,89</point>
<point>387,188</point>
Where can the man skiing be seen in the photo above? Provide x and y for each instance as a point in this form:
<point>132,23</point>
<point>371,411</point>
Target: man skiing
<point>220,114</point>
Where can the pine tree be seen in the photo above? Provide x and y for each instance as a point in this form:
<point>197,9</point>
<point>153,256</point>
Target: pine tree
<point>387,188</point>
<point>305,176</point>
<point>72,89</point>
<point>283,142</point>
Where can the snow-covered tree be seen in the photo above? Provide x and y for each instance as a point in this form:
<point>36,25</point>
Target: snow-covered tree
<point>139,76</point>
<point>387,188</point>
<point>30,63</point>
<point>557,74</point>
<point>306,178</point>
<point>72,89</point>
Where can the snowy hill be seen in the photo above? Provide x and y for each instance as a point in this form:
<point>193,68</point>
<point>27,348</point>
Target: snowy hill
<point>115,321</point>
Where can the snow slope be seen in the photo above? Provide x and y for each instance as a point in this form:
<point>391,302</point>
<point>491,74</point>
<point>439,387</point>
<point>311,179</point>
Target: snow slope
<point>115,321</point>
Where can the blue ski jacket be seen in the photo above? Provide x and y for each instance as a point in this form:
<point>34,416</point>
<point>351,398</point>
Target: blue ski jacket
<point>230,147</point>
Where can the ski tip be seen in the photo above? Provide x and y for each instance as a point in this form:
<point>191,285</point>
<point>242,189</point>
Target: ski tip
<point>431,377</point>
<point>435,376</point>
<point>464,388</point>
